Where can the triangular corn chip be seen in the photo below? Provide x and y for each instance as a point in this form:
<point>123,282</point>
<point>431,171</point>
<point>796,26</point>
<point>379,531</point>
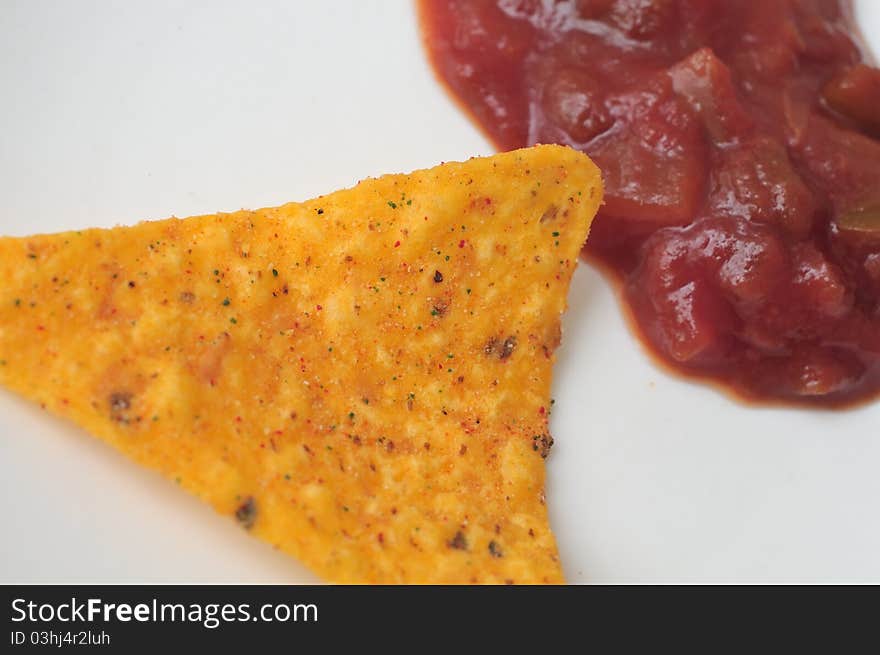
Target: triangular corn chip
<point>362,380</point>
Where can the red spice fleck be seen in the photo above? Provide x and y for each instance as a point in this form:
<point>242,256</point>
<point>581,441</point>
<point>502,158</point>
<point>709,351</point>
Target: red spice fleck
<point>262,445</point>
<point>381,538</point>
<point>396,244</point>
<point>238,419</point>
<point>41,328</point>
<point>279,432</point>
<point>541,410</point>
<point>461,243</point>
<point>318,307</point>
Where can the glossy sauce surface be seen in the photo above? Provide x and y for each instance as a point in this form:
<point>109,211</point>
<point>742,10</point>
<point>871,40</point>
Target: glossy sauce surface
<point>738,142</point>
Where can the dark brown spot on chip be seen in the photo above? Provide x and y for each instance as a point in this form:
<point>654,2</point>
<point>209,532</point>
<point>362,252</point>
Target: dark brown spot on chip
<point>458,542</point>
<point>187,297</point>
<point>550,213</point>
<point>246,514</point>
<point>507,348</point>
<point>542,443</point>
<point>438,276</point>
<point>503,349</point>
<point>495,549</point>
<point>120,403</point>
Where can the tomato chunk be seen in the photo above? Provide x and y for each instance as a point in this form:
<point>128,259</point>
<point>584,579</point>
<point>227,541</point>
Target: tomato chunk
<point>855,94</point>
<point>704,81</point>
<point>654,159</point>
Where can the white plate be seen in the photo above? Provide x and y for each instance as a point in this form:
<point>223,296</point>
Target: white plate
<point>115,112</point>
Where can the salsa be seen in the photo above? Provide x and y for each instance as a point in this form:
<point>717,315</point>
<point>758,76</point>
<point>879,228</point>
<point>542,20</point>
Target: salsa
<point>738,141</point>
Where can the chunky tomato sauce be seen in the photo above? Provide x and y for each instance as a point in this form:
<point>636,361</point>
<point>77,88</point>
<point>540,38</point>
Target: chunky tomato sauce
<point>739,145</point>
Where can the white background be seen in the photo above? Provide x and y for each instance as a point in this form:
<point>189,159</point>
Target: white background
<point>114,112</point>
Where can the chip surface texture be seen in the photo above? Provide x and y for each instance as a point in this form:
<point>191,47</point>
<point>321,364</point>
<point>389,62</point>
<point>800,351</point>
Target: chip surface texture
<point>362,380</point>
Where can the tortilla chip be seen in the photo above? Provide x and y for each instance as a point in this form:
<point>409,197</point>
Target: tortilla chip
<point>362,380</point>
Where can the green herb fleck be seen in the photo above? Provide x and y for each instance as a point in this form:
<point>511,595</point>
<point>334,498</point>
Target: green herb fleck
<point>392,204</point>
<point>226,302</point>
<point>274,273</point>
